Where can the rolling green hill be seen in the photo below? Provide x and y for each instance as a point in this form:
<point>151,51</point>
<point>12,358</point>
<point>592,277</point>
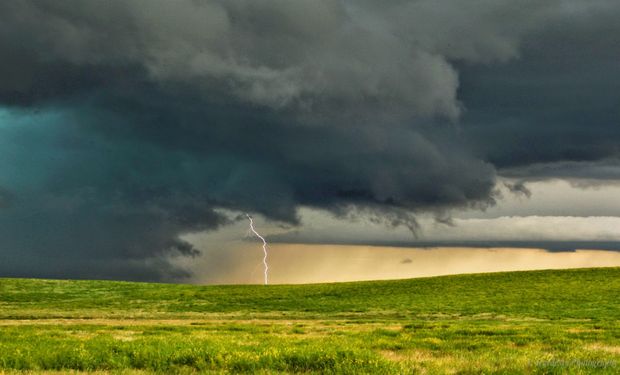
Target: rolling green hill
<point>538,322</point>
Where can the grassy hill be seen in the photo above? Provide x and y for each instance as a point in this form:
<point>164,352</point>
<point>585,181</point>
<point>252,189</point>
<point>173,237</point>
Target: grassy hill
<point>565,321</point>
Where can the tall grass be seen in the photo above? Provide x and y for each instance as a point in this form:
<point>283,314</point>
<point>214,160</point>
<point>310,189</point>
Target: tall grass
<point>519,322</point>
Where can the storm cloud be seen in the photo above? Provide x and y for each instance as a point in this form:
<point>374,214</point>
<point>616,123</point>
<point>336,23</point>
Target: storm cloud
<point>126,124</point>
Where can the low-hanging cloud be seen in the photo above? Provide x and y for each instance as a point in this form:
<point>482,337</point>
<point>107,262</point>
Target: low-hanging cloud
<point>130,123</point>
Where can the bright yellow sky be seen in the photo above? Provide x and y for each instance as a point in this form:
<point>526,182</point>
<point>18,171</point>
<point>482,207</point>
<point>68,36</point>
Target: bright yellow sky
<point>295,263</point>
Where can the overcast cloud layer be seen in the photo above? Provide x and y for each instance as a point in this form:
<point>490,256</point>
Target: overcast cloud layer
<point>126,124</point>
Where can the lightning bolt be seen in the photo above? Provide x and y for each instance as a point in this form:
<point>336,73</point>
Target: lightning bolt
<point>264,247</point>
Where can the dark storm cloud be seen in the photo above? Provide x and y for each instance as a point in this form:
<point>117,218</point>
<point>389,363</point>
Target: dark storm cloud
<point>577,172</point>
<point>164,112</point>
<point>5,198</point>
<point>518,188</point>
<point>548,245</point>
<point>558,102</point>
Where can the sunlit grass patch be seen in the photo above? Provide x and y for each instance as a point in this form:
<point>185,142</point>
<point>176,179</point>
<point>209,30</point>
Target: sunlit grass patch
<point>547,322</point>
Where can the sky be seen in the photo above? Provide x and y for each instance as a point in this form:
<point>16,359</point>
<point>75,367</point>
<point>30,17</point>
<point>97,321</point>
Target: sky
<point>368,139</point>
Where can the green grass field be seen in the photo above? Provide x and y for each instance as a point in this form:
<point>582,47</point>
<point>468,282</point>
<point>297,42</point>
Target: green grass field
<point>517,322</point>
